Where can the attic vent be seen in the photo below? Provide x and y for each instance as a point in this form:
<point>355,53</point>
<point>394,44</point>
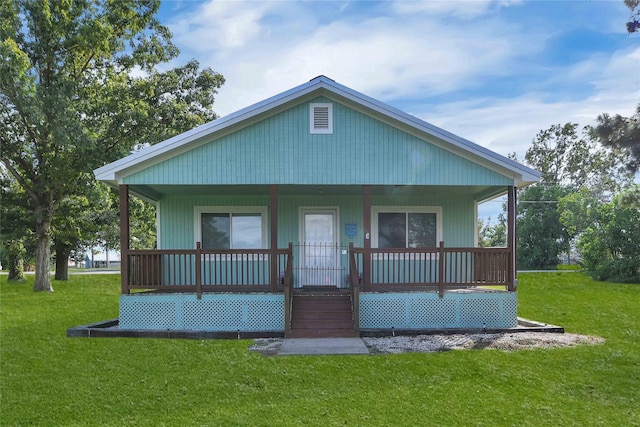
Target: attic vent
<point>321,118</point>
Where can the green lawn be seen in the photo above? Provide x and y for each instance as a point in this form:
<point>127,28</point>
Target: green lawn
<point>49,379</point>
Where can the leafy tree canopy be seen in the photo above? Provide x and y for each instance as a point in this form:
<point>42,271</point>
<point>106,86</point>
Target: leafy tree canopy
<point>610,234</point>
<point>541,236</point>
<point>492,235</point>
<point>621,134</point>
<point>568,161</point>
<point>79,88</point>
<point>634,20</point>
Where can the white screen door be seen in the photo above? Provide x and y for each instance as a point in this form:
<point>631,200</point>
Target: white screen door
<point>319,252</point>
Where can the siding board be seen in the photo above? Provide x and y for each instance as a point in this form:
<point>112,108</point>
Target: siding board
<point>177,213</point>
<point>280,150</point>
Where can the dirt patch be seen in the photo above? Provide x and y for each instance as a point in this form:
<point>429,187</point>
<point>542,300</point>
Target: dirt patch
<point>432,343</point>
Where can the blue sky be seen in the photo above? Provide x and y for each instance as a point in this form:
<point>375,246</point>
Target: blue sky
<point>493,72</point>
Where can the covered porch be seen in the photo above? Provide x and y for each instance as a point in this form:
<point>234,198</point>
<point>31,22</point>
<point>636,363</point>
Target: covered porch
<point>355,262</point>
<point>256,289</point>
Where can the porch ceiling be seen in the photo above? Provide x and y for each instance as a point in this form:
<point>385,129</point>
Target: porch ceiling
<point>157,192</point>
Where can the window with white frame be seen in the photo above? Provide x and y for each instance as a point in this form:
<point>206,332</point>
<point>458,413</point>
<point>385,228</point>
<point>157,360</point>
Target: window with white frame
<point>321,118</point>
<point>231,227</point>
<point>406,227</point>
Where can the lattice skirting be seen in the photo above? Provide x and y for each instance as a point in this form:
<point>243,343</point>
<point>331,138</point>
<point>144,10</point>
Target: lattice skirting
<point>214,312</point>
<point>265,312</point>
<point>429,311</point>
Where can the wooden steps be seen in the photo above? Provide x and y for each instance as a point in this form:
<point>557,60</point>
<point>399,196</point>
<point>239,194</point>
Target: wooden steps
<point>321,315</point>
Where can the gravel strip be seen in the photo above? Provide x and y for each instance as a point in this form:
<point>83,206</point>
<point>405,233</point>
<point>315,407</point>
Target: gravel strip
<point>432,343</point>
<point>504,342</point>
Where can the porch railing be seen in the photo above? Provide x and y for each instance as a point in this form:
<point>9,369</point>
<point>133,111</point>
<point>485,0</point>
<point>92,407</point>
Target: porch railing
<point>252,270</point>
<point>441,267</point>
<point>204,270</point>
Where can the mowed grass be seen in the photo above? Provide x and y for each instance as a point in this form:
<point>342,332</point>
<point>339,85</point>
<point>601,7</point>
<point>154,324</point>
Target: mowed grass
<point>48,379</point>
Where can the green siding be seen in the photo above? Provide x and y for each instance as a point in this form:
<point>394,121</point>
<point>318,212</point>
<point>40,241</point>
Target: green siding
<point>177,215</point>
<point>281,150</point>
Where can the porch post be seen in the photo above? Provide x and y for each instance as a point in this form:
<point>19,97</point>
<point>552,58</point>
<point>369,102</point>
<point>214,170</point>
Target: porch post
<point>124,239</point>
<point>511,238</point>
<point>273,193</point>
<point>366,224</point>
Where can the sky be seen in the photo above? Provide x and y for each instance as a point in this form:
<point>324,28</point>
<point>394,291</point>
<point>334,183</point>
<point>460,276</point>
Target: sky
<point>492,72</point>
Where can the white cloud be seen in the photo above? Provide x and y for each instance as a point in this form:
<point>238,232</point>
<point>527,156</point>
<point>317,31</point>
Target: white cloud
<point>387,57</point>
<point>463,9</point>
<point>220,25</point>
<point>410,52</point>
<point>509,124</point>
<point>394,59</point>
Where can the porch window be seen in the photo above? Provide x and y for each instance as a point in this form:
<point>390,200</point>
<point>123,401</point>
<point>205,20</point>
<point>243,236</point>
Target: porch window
<point>406,227</point>
<point>229,228</point>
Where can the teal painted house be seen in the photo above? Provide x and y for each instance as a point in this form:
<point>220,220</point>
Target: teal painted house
<point>317,212</point>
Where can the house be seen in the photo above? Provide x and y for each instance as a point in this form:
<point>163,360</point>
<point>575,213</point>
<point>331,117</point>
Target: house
<point>317,212</point>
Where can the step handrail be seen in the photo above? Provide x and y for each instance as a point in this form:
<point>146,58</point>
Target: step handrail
<point>354,287</point>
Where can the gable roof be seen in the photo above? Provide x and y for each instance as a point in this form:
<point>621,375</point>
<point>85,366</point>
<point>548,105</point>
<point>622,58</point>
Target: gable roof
<point>322,85</point>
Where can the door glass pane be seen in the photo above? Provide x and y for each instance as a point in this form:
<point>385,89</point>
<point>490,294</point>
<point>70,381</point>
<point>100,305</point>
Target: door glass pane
<point>215,230</point>
<point>318,228</point>
<point>246,231</point>
<point>392,230</point>
<point>422,230</point>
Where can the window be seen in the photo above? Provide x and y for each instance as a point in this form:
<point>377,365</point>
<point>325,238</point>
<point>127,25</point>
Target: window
<point>231,228</point>
<point>321,118</point>
<point>406,227</point>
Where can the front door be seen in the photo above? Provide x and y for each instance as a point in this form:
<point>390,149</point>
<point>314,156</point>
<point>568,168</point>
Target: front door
<point>319,252</point>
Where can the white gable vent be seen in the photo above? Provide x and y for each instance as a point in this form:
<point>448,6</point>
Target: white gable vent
<point>321,118</point>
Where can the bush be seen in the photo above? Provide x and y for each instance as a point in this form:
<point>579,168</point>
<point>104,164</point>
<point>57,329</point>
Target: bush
<point>609,246</point>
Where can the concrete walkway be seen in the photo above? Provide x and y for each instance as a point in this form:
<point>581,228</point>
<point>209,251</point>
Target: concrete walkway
<point>316,346</point>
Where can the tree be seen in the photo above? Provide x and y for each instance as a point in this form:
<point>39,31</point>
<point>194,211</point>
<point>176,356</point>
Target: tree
<point>77,222</point>
<point>69,101</point>
<point>634,20</point>
<point>610,234</point>
<point>15,222</point>
<point>567,162</point>
<point>493,235</point>
<point>566,159</point>
<point>142,224</point>
<point>541,237</point>
<point>621,134</point>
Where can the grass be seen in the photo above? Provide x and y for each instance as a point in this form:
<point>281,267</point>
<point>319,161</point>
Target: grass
<point>569,267</point>
<point>49,379</point>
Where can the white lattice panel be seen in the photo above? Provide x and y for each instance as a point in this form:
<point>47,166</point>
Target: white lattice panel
<point>147,314</point>
<point>432,313</point>
<point>201,315</point>
<point>478,313</point>
<point>380,311</point>
<point>214,312</point>
<point>415,310</point>
<point>510,317</point>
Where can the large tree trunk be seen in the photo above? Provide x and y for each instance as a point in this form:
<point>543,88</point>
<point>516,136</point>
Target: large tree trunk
<point>62,261</point>
<point>43,251</point>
